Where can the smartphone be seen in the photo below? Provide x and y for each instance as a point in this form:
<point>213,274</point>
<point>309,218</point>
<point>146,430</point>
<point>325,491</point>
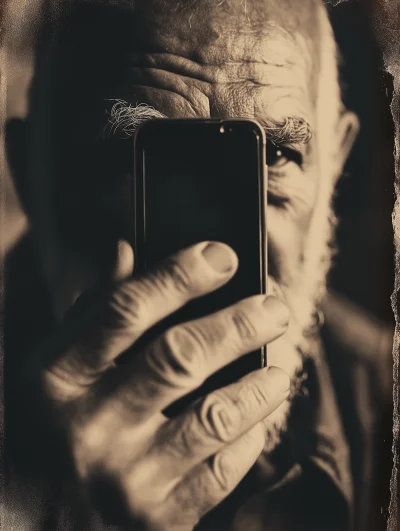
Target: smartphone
<point>199,180</point>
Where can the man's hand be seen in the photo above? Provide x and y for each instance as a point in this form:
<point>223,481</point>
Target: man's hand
<point>161,473</point>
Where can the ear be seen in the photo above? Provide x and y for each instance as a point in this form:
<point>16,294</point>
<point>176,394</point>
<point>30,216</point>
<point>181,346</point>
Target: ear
<point>346,134</point>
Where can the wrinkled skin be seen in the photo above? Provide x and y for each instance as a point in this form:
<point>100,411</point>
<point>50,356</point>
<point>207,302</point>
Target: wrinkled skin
<point>230,59</point>
<point>124,448</point>
<point>233,64</point>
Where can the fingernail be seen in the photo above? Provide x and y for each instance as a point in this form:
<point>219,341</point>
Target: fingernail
<point>220,257</point>
<point>280,378</point>
<point>278,310</point>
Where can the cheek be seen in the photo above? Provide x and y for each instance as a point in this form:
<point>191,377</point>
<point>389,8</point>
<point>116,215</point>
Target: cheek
<point>288,227</point>
<point>285,246</point>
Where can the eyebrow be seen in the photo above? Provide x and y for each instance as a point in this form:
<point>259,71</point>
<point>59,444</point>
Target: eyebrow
<point>124,118</point>
<point>294,130</point>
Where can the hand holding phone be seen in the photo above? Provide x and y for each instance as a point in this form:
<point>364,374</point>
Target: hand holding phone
<point>138,467</point>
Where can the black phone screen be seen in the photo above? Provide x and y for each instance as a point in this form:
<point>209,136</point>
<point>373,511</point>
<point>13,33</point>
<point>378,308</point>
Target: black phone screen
<point>199,181</point>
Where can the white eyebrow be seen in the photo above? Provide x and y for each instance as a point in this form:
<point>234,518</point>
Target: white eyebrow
<point>293,130</point>
<point>124,118</point>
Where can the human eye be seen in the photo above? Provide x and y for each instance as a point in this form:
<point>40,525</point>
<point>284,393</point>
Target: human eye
<point>286,164</point>
<point>279,157</point>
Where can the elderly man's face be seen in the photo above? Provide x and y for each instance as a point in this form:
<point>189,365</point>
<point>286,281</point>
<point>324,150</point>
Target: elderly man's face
<point>251,59</point>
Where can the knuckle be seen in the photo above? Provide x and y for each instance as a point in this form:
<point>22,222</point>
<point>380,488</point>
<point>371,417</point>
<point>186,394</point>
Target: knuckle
<point>56,386</point>
<point>62,386</point>
<point>180,356</point>
<point>224,471</point>
<point>127,305</point>
<point>254,395</point>
<point>188,438</point>
<point>173,271</point>
<point>245,329</point>
<point>218,419</point>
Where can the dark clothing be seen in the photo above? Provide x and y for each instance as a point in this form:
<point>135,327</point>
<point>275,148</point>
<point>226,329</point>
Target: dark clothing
<point>327,472</point>
<point>332,482</point>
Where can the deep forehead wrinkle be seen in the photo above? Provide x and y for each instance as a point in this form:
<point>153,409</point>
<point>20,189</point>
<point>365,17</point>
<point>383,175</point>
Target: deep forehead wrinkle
<point>259,60</point>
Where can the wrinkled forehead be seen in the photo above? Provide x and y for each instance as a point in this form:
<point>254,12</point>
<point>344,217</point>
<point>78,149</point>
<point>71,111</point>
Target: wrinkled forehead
<point>214,32</point>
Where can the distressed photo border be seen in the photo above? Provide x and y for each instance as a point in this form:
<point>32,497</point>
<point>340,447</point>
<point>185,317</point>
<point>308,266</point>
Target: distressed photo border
<point>385,16</point>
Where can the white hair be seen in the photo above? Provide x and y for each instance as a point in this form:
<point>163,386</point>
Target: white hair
<point>126,118</point>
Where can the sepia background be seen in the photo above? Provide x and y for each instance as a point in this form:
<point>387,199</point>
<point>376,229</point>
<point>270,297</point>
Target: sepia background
<point>363,272</point>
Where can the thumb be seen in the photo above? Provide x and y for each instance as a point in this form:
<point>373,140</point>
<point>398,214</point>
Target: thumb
<point>124,262</point>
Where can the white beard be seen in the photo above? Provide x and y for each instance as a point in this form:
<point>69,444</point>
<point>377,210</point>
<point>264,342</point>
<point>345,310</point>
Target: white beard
<point>291,350</point>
